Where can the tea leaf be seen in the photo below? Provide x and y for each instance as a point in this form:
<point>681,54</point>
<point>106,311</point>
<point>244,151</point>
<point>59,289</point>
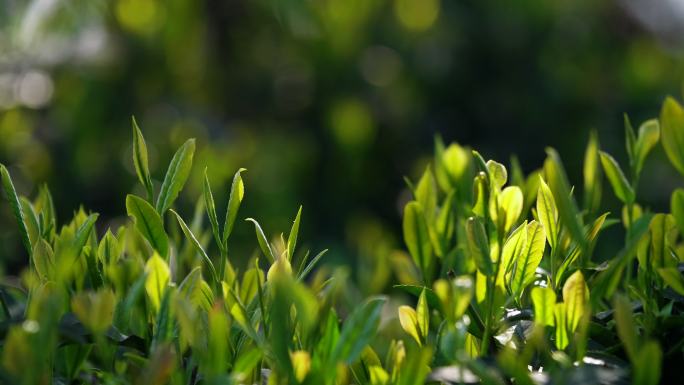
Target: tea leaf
<point>13,200</point>
<point>548,213</point>
<point>176,175</point>
<point>567,209</point>
<point>592,174</point>
<point>663,233</point>
<point>408,318</point>
<point>528,261</point>
<point>210,206</point>
<point>237,192</point>
<point>140,160</point>
<point>625,325</point>
<point>575,296</point>
<point>423,315</point>
<point>43,259</point>
<point>263,242</point>
<point>149,223</point>
<point>511,203</point>
<point>672,278</point>
<point>158,274</point>
<point>478,245</point>
<point>677,208</point>
<point>358,330</point>
<point>195,243</point>
<point>617,179</point>
<point>648,364</point>
<point>416,236</point>
<point>292,238</point>
<point>560,316</point>
<point>672,126</point>
<point>544,301</point>
<point>649,135</point>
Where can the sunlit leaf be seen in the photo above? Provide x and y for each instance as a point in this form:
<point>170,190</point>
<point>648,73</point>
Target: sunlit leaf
<point>149,223</point>
<point>423,315</point>
<point>623,190</point>
<point>560,317</point>
<point>197,246</point>
<point>548,213</point>
<point>358,330</point>
<point>672,126</point>
<point>511,203</point>
<point>294,232</point>
<point>13,199</point>
<point>677,208</point>
<point>672,278</point>
<point>592,174</point>
<point>210,206</point>
<point>416,236</point>
<point>237,192</point>
<point>527,262</point>
<point>648,364</point>
<point>478,245</point>
<point>567,208</point>
<point>140,160</point>
<point>176,175</point>
<point>625,325</point>
<point>158,275</point>
<point>575,296</point>
<point>263,241</point>
<point>544,301</point>
<point>663,233</point>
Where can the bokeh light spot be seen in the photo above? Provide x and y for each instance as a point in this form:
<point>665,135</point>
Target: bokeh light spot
<point>139,16</point>
<point>352,124</point>
<point>380,65</point>
<point>417,15</point>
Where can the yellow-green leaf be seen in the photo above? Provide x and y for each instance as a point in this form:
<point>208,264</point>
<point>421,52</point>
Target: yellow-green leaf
<point>237,192</point>
<point>625,325</point>
<point>149,223</point>
<point>623,190</point>
<point>672,126</point>
<point>478,245</point>
<point>416,236</point>
<point>511,205</point>
<point>423,315</point>
<point>677,208</point>
<point>547,213</point>
<point>663,233</point>
<point>140,159</point>
<point>158,275</point>
<point>527,262</point>
<point>592,174</point>
<point>559,314</point>
<point>176,175</point>
<point>672,278</point>
<point>408,318</point>
<point>575,296</point>
<point>544,301</point>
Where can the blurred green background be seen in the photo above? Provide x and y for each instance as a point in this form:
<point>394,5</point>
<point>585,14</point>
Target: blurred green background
<point>327,103</point>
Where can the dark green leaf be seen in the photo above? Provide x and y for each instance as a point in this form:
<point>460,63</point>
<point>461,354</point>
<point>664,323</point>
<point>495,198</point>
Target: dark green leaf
<point>149,223</point>
<point>13,199</point>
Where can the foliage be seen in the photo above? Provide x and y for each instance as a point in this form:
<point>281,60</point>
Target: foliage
<point>506,283</point>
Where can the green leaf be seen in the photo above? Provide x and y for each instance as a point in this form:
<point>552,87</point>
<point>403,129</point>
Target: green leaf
<point>210,206</point>
<point>544,301</point>
<point>498,176</point>
<point>149,223</point>
<point>672,278</point>
<point>592,175</point>
<point>193,240</point>
<point>44,259</point>
<point>140,160</point>
<point>626,327</point>
<point>176,175</point>
<point>663,232</point>
<point>263,241</point>
<point>416,236</point>
<point>423,315</point>
<point>478,245</point>
<point>672,125</point>
<point>648,364</point>
<point>617,179</point>
<point>237,192</point>
<point>292,238</point>
<point>13,199</point>
<point>109,249</point>
<point>358,330</point>
<point>408,318</point>
<point>649,135</point>
<point>677,208</point>
<point>567,209</point>
<point>513,248</point>
<point>528,261</point>
<point>426,194</point>
<point>559,314</point>
<point>575,296</point>
<point>158,274</point>
<point>548,213</point>
<point>511,205</point>
<point>630,139</point>
<point>31,219</point>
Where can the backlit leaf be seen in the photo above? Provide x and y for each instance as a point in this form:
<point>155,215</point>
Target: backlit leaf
<point>575,296</point>
<point>358,330</point>
<point>158,275</point>
<point>13,199</point>
<point>548,213</point>
<point>416,236</point>
<point>544,301</point>
<point>140,159</point>
<point>149,223</point>
<point>408,318</point>
<point>176,175</point>
<point>237,192</point>
<point>672,126</point>
<point>478,245</point>
<point>528,261</point>
<point>623,190</point>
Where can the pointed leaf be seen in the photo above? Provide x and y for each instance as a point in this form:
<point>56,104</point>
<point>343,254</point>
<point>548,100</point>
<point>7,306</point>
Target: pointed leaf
<point>617,179</point>
<point>237,192</point>
<point>478,245</point>
<point>149,223</point>
<point>592,175</point>
<point>193,240</point>
<point>423,315</point>
<point>263,241</point>
<point>416,236</point>
<point>672,126</point>
<point>294,232</point>
<point>672,278</point>
<point>567,209</point>
<point>13,199</point>
<point>548,213</point>
<point>358,330</point>
<point>649,135</point>
<point>544,301</point>
<point>528,261</point>
<point>140,159</point>
<point>158,274</point>
<point>408,318</point>
<point>560,316</point>
<point>210,206</point>
<point>176,175</point>
<point>677,208</point>
<point>575,296</point>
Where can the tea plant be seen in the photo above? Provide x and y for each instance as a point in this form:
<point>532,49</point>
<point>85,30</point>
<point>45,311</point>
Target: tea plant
<point>502,267</point>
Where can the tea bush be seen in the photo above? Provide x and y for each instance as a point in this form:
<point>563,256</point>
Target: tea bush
<point>501,268</point>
